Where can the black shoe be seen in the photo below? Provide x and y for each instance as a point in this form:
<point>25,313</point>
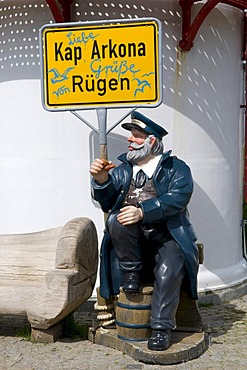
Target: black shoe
<point>159,340</point>
<point>131,282</point>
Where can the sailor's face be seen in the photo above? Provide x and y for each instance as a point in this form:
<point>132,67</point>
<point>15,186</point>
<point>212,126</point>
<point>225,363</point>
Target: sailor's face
<point>140,146</point>
<point>136,139</point>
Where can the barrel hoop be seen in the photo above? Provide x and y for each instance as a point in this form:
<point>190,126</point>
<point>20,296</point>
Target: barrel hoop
<point>132,339</point>
<point>133,326</point>
<point>132,307</point>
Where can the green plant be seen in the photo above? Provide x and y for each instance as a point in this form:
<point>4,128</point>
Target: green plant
<point>73,330</point>
<point>24,332</point>
<point>244,210</point>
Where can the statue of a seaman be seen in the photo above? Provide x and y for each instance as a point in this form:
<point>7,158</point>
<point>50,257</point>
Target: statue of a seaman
<point>148,234</point>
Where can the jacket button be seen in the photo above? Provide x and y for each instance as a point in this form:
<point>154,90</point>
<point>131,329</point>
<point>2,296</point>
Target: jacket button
<point>122,191</point>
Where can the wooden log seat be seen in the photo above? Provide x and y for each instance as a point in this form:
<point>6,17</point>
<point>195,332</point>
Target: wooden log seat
<point>47,275</point>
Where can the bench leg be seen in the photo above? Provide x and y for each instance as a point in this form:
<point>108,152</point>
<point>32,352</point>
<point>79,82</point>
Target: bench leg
<point>49,335</point>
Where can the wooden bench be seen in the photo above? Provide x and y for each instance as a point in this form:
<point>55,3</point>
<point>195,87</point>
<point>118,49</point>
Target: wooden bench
<point>47,275</point>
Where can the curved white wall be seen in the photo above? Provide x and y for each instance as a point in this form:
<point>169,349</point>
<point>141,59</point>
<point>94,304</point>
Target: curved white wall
<point>44,157</point>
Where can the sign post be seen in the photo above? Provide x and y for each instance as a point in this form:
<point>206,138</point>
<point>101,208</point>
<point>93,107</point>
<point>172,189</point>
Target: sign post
<point>100,65</point>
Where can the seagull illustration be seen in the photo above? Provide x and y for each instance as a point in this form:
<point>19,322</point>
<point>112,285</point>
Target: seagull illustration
<point>59,77</point>
<point>142,85</point>
<point>148,74</point>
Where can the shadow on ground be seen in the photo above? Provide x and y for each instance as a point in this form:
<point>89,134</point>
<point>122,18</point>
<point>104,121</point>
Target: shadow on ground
<point>218,318</point>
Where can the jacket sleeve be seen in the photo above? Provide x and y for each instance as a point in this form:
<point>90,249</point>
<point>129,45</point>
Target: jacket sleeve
<point>174,200</point>
<point>105,193</point>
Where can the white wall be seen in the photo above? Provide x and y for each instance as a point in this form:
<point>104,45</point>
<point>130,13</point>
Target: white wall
<point>45,157</point>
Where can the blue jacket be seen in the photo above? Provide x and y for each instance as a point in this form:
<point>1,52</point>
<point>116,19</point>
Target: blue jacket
<point>174,186</point>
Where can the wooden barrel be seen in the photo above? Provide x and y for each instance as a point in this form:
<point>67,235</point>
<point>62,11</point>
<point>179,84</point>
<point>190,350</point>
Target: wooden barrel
<point>133,315</point>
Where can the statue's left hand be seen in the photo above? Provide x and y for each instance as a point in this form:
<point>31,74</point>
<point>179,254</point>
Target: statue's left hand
<point>129,215</point>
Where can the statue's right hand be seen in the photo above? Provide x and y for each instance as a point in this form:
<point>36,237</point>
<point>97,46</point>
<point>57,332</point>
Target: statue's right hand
<point>99,169</point>
<point>108,165</point>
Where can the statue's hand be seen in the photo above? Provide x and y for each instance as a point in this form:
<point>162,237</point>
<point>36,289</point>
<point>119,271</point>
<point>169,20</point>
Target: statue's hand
<point>99,169</point>
<point>129,215</point>
<point>108,165</point>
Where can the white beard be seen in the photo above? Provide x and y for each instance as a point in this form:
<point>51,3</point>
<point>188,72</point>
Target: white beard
<point>140,152</point>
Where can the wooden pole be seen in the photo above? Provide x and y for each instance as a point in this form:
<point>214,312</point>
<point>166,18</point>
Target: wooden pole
<point>103,151</point>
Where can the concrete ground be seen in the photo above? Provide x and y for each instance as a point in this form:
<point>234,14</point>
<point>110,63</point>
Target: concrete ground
<point>226,323</point>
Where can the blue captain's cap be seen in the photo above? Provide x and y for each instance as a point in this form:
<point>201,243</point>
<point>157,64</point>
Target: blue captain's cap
<point>145,124</point>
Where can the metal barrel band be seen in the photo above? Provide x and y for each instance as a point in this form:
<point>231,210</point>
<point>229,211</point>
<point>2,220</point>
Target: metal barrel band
<point>133,307</point>
<point>132,326</point>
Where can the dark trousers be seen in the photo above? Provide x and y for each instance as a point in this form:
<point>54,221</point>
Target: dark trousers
<point>153,252</point>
